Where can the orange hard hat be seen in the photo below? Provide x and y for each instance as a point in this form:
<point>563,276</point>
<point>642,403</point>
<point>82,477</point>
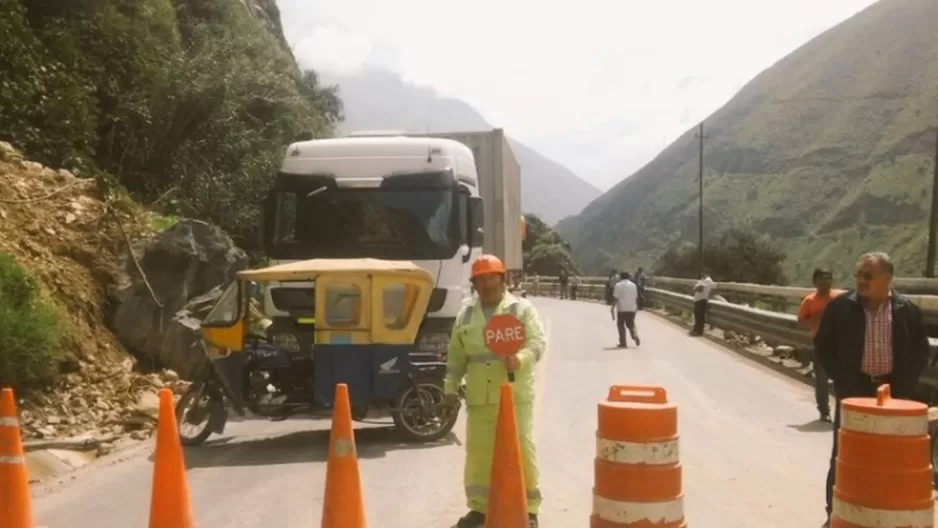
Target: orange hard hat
<point>487,264</point>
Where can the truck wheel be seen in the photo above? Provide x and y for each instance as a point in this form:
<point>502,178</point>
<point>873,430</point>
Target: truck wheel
<point>423,417</point>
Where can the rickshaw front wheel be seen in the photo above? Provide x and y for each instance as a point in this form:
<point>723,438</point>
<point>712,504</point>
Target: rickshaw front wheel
<point>194,413</point>
<point>423,417</point>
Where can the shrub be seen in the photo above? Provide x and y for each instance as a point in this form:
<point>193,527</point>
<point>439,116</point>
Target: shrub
<point>545,252</point>
<point>739,256</point>
<point>30,330</point>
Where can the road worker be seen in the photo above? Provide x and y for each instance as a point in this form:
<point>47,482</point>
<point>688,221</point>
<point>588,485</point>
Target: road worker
<point>484,373</point>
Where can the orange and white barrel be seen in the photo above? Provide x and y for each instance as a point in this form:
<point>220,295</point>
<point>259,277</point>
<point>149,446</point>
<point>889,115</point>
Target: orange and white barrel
<point>884,471</point>
<point>637,481</point>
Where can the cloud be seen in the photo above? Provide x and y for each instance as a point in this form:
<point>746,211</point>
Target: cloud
<point>557,74</point>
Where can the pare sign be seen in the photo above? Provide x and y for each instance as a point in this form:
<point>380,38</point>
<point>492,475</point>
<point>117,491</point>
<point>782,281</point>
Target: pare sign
<point>504,334</point>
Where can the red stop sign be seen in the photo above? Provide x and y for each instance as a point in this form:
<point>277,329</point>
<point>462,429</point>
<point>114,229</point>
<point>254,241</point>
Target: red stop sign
<point>504,335</point>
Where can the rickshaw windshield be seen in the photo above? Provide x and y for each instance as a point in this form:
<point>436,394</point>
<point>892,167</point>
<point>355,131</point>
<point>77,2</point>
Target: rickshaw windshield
<point>399,301</point>
<point>227,309</point>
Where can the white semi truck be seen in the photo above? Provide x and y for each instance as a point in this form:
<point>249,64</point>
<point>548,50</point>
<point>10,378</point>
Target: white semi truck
<point>436,200</point>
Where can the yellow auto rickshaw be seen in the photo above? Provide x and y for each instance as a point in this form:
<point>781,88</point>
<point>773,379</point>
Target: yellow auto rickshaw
<point>360,330</point>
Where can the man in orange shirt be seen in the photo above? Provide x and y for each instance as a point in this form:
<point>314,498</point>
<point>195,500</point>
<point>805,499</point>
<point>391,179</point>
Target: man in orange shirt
<point>809,316</point>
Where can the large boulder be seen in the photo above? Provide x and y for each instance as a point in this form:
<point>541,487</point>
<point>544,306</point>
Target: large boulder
<point>183,269</point>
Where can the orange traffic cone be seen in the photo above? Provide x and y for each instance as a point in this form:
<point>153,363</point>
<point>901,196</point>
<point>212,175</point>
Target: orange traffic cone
<point>508,503</point>
<point>15,508</point>
<point>169,503</point>
<point>342,505</point>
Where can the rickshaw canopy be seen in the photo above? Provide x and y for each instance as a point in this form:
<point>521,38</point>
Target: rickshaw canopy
<point>310,269</point>
<point>356,302</point>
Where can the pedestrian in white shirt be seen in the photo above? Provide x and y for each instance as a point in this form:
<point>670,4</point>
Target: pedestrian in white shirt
<point>701,298</point>
<point>625,305</point>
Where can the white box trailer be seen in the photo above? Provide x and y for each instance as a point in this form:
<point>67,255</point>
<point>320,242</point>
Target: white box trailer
<point>500,189</point>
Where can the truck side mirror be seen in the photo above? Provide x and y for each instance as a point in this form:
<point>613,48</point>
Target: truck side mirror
<point>268,227</point>
<point>476,222</point>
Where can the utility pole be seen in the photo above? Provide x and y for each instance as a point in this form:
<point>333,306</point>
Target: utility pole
<point>933,220</point>
<point>700,235</point>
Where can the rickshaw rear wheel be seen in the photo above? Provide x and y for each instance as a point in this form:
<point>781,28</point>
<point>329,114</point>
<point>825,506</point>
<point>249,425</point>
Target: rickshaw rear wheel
<point>204,411</point>
<point>429,419</point>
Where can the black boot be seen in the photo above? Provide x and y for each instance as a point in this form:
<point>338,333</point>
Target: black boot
<point>473,519</point>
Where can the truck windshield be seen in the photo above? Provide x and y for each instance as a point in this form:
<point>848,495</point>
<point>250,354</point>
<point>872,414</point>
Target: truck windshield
<point>412,224</point>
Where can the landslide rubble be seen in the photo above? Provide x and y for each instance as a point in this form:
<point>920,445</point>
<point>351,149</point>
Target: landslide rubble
<point>74,242</point>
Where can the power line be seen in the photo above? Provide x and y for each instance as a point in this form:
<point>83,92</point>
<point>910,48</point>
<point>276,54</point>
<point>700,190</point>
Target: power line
<point>933,220</point>
<point>700,235</point>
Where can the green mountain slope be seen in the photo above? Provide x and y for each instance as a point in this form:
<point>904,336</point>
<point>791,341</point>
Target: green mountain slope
<point>377,100</point>
<point>829,152</point>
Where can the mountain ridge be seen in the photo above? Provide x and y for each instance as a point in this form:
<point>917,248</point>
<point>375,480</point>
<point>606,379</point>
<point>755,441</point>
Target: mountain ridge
<point>549,190</point>
<point>828,152</point>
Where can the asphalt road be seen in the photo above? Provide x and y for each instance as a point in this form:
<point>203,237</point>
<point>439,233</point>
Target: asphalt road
<point>752,451</point>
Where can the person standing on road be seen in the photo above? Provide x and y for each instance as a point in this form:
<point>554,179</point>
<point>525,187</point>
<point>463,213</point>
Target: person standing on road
<point>626,305</point>
<point>639,280</point>
<point>701,299</point>
<point>809,316</point>
<point>563,283</point>
<point>610,285</point>
<point>484,372</point>
<point>867,337</point>
<point>574,284</point>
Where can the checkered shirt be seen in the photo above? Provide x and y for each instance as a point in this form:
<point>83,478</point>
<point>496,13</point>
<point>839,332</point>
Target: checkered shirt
<point>877,346</point>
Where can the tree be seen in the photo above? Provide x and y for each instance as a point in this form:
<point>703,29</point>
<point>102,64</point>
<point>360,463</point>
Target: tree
<point>187,104</point>
<point>740,255</point>
<point>545,252</point>
<point>325,98</point>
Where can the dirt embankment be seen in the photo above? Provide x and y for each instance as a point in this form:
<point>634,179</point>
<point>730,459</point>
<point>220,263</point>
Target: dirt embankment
<point>74,241</point>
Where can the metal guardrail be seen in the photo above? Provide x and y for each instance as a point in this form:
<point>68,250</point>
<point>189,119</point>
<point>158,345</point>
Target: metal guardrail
<point>773,327</point>
<point>906,285</point>
<point>928,303</point>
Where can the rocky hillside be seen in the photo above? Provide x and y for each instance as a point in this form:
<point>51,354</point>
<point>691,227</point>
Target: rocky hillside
<point>829,152</point>
<point>182,105</point>
<point>74,245</point>
<point>377,100</point>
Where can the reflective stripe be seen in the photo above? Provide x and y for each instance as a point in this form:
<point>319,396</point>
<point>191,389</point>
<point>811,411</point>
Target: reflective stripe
<point>884,425</point>
<point>638,452</point>
<point>343,447</point>
<point>9,422</point>
<point>475,492</point>
<point>14,460</point>
<point>482,358</point>
<point>512,308</point>
<point>861,516</point>
<point>629,513</point>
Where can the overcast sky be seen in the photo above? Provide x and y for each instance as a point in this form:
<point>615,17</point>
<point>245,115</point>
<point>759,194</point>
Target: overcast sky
<point>598,85</point>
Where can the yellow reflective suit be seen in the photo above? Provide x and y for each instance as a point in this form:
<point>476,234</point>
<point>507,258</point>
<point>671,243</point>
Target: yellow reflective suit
<point>484,373</point>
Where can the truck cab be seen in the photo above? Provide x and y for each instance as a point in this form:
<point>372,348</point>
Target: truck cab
<point>385,197</point>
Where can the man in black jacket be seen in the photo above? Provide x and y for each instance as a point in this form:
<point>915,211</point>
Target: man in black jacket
<point>867,337</point>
